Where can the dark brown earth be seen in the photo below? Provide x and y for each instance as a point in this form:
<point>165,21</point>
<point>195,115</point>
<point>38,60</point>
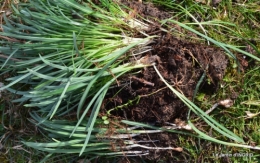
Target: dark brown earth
<point>181,63</point>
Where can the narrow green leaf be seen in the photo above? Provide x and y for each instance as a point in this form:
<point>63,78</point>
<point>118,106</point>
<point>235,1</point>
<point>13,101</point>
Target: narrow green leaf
<point>10,56</point>
<point>55,107</point>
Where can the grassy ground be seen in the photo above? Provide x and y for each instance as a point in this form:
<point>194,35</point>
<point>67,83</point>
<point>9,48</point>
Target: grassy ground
<point>242,118</point>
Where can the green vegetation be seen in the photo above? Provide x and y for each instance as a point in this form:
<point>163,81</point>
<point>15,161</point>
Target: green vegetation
<point>60,58</point>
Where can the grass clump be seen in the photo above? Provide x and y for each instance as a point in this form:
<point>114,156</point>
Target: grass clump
<point>67,52</point>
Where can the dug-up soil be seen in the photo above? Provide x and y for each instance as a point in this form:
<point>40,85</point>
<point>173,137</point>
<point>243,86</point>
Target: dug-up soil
<point>182,64</point>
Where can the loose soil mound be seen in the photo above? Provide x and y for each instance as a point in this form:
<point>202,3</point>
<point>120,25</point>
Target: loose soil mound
<point>181,63</point>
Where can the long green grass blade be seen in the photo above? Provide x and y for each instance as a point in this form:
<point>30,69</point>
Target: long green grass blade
<point>60,98</point>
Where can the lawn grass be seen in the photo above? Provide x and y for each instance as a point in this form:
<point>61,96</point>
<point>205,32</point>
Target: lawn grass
<point>234,118</point>
<point>241,30</point>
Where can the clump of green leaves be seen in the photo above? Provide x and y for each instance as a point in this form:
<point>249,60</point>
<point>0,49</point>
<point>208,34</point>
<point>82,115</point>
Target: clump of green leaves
<point>68,54</point>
